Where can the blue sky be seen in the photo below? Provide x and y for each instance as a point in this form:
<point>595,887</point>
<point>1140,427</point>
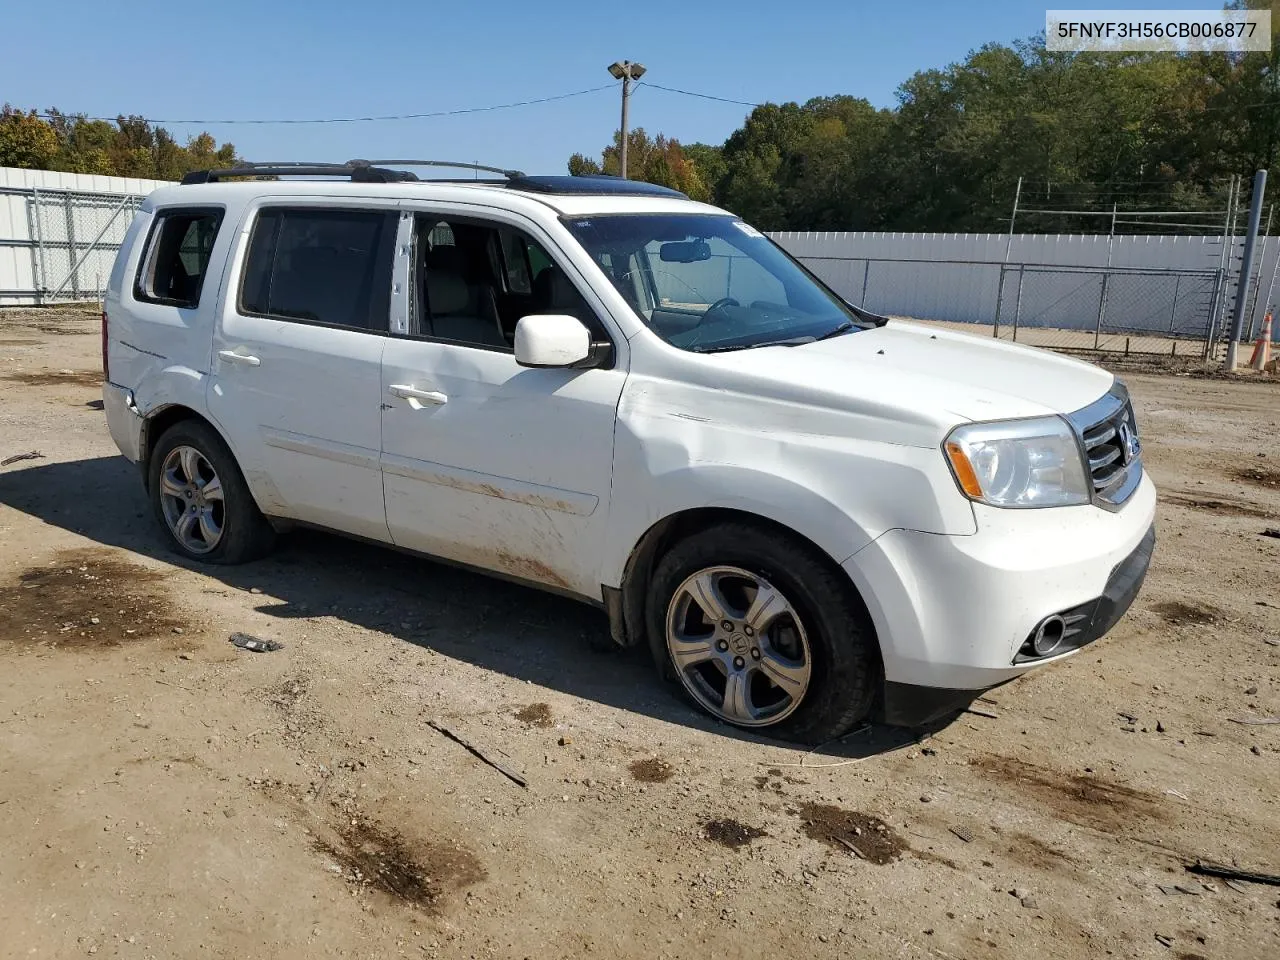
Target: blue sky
<point>329,58</point>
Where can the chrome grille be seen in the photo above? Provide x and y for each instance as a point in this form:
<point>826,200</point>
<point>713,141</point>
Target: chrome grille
<point>1109,435</point>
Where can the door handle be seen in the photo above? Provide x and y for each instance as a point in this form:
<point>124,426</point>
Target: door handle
<point>417,398</point>
<point>244,359</point>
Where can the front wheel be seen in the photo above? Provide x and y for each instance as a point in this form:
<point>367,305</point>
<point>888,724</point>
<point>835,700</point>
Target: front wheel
<point>763,632</point>
<point>201,499</point>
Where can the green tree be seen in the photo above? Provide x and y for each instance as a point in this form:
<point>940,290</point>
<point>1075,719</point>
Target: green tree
<point>659,160</point>
<point>709,162</point>
<point>754,156</point>
<point>129,147</point>
<point>581,166</point>
<point>25,140</point>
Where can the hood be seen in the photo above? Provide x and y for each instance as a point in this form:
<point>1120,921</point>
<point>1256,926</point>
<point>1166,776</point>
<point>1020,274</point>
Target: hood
<point>926,368</point>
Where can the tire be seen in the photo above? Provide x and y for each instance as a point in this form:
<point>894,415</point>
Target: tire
<point>242,532</point>
<point>822,618</point>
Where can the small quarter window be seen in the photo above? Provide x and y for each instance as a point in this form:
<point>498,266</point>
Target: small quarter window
<point>178,257</point>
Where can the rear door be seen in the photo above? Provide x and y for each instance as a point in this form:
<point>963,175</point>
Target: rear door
<point>297,358</point>
<point>487,462</point>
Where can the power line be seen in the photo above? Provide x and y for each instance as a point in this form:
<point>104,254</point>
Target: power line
<point>700,96</point>
<point>399,116</point>
<point>460,111</point>
<point>1030,115</point>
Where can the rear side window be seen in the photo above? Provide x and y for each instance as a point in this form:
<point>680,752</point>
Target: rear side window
<point>331,267</point>
<point>177,258</point>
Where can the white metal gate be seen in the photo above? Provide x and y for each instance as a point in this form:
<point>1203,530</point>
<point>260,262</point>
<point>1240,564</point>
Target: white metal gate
<point>72,242</point>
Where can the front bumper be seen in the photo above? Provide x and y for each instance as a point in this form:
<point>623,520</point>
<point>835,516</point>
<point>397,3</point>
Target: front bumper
<point>1096,618</point>
<point>952,612</point>
<point>911,705</point>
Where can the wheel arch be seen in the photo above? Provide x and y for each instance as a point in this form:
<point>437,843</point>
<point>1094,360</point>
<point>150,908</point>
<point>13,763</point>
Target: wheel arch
<point>247,533</point>
<point>626,603</point>
<point>157,422</point>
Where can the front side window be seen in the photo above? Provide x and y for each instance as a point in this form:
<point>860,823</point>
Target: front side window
<point>473,281</point>
<point>707,282</point>
<point>331,267</point>
<point>177,258</point>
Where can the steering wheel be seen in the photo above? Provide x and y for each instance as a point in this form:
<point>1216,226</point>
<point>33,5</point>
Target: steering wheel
<point>719,305</point>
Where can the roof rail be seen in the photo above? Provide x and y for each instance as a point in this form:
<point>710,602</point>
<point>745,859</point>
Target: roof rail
<point>508,174</point>
<point>360,171</point>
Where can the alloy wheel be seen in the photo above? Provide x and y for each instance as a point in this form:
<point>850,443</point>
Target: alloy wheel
<point>738,646</point>
<point>192,499</point>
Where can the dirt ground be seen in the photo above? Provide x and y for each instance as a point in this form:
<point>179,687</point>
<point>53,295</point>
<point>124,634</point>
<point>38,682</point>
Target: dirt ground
<point>165,794</point>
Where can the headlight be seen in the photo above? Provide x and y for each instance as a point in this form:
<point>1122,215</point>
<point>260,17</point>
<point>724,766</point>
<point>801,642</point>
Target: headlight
<point>1019,463</point>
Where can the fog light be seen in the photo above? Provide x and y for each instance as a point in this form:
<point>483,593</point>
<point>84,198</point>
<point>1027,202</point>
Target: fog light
<point>1048,636</point>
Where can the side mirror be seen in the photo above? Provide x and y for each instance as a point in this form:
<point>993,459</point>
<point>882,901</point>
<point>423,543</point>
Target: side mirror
<point>551,340</point>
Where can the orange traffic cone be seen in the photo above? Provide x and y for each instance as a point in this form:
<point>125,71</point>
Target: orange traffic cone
<point>1262,346</point>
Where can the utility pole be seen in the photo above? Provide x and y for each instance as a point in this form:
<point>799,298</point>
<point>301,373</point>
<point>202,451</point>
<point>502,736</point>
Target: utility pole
<point>1246,267</point>
<point>626,71</point>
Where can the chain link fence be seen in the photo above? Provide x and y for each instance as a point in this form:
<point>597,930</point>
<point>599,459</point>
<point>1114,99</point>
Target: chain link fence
<point>1108,309</point>
<point>1178,312</point>
<point>68,245</point>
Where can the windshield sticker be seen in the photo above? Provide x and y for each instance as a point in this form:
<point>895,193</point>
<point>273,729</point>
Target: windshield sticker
<point>749,230</point>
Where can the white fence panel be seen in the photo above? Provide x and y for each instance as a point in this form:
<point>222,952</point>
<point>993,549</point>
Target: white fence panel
<point>59,232</point>
<point>1165,285</point>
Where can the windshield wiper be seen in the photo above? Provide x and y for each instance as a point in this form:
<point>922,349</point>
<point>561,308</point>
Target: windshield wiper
<point>789,342</point>
<point>843,328</point>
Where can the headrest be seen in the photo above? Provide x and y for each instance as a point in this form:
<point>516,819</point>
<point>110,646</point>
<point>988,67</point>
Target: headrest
<point>446,292</point>
<point>447,257</point>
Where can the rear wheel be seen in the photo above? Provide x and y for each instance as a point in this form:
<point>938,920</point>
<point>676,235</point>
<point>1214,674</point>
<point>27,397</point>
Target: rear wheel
<point>201,499</point>
<point>763,632</point>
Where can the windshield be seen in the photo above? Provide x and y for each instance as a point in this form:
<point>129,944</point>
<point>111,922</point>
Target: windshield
<point>707,282</point>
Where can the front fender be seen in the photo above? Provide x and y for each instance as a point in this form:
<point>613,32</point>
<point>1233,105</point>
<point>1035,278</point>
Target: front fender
<point>730,487</point>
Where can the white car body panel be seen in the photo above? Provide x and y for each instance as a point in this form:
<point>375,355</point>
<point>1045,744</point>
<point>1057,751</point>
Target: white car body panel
<point>480,479</point>
<point>555,475</point>
<point>943,371</point>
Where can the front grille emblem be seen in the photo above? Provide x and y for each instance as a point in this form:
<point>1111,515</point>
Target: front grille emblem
<point>1108,435</point>
<point>1129,446</point>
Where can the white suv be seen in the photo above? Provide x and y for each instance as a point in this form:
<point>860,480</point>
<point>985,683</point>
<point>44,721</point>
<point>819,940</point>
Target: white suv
<point>608,390</point>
